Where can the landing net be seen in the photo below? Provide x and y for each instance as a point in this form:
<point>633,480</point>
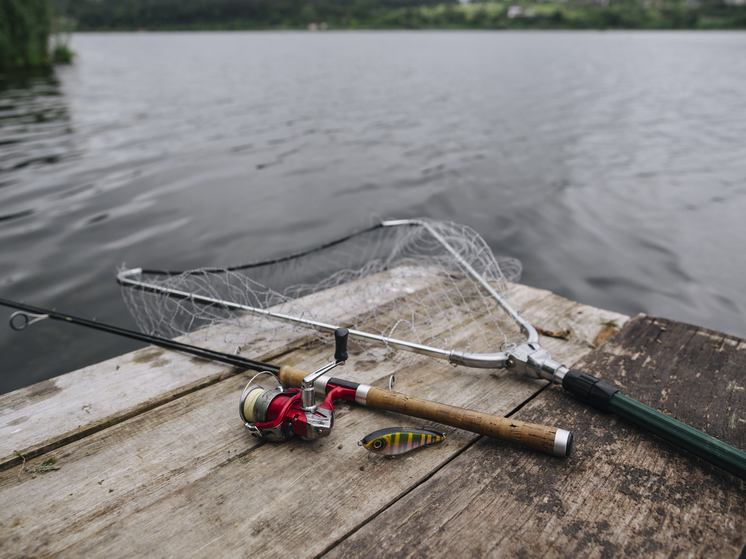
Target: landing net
<point>406,284</point>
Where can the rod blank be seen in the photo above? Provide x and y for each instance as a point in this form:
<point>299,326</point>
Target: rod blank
<point>235,360</point>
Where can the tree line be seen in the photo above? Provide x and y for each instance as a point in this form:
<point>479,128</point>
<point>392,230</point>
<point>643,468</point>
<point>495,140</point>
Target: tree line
<point>24,33</point>
<point>226,14</point>
<point>103,15</point>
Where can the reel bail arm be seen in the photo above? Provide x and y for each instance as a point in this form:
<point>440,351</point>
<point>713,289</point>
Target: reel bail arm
<point>308,394</point>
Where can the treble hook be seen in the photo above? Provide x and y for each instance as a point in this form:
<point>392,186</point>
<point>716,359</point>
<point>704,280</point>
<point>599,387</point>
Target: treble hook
<point>24,316</point>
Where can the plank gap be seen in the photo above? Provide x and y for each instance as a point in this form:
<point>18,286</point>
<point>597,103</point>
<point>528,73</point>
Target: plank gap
<point>113,420</point>
<point>390,504</point>
<point>527,400</point>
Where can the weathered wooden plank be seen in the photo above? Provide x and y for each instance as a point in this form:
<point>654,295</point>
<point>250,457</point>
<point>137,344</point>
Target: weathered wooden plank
<point>624,492</point>
<point>565,326</point>
<point>186,472</point>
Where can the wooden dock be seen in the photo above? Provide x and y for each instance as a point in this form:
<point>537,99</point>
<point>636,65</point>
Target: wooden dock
<point>154,461</point>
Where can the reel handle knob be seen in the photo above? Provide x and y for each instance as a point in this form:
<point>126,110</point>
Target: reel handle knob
<point>340,341</point>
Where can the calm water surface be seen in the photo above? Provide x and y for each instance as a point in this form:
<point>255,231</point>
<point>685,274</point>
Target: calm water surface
<point>613,165</point>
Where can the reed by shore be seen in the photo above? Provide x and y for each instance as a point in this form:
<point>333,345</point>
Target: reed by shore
<point>30,37</point>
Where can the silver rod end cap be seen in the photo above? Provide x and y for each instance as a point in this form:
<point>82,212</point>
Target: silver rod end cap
<point>562,443</point>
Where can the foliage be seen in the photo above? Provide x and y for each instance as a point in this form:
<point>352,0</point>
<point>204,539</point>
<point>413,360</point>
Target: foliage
<point>616,14</point>
<point>26,27</point>
<point>237,14</point>
<point>24,33</point>
<point>47,466</point>
<point>62,29</point>
<point>62,54</point>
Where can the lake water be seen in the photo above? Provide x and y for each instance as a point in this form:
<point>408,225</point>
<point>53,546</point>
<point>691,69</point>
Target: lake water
<point>613,165</point>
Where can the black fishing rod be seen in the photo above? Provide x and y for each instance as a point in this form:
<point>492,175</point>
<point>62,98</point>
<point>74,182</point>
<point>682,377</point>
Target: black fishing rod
<point>278,414</point>
<point>28,315</point>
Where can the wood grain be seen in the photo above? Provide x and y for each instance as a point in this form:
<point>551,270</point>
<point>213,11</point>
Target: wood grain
<point>163,479</point>
<point>529,435</point>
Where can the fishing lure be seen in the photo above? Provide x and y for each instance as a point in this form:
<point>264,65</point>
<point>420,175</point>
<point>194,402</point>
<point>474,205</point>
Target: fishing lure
<point>398,440</point>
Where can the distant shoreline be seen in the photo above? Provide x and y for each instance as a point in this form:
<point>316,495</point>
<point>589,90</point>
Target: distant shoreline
<point>594,15</point>
<point>366,30</point>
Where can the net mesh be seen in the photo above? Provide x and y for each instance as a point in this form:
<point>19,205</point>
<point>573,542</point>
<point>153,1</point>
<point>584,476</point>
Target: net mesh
<point>395,281</point>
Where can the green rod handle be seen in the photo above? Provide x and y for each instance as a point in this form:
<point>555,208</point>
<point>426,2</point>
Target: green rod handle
<point>711,449</point>
<point>605,397</point>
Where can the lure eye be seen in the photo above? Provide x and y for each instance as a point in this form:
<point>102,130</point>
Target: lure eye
<point>378,444</point>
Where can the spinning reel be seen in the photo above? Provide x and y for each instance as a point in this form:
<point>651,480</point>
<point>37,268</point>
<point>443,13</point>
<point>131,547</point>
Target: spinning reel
<point>277,414</point>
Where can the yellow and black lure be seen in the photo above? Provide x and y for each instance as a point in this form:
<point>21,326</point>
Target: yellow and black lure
<point>398,440</point>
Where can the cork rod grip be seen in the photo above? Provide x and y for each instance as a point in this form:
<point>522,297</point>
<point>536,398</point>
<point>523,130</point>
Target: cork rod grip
<point>537,437</point>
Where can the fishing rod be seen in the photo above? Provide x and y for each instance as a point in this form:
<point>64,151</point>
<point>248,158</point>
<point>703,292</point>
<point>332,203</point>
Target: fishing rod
<point>278,414</point>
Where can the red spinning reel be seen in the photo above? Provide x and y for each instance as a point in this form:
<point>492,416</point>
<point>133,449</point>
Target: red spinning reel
<point>278,414</point>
